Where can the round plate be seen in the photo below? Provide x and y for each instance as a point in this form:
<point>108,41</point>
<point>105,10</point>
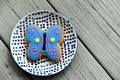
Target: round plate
<point>44,20</point>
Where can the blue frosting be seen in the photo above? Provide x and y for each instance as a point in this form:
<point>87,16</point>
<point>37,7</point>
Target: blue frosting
<point>31,34</point>
<point>49,42</point>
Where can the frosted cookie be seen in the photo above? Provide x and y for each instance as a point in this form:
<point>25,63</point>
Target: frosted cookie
<point>47,42</point>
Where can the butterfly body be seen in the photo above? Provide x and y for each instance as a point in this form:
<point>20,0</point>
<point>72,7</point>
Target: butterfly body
<point>44,42</point>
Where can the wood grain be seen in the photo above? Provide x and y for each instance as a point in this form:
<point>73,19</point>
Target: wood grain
<point>97,24</point>
<point>83,66</point>
<point>11,11</point>
<point>8,68</point>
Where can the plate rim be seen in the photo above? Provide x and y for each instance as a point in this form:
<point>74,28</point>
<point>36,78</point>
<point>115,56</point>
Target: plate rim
<point>49,11</point>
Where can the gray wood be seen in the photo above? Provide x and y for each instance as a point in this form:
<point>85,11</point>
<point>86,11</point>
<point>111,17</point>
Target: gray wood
<point>83,67</point>
<point>8,68</point>
<point>97,24</point>
<point>11,11</point>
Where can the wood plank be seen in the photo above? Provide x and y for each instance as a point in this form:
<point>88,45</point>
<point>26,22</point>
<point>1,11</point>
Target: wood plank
<point>83,66</point>
<point>8,68</point>
<point>97,24</point>
<point>11,11</point>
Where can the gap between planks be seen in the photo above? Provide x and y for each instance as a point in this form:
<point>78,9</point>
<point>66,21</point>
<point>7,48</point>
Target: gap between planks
<point>100,37</point>
<point>77,37</point>
<point>5,43</point>
<point>84,44</point>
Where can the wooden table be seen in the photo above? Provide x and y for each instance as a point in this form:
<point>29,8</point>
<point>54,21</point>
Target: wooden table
<point>97,23</point>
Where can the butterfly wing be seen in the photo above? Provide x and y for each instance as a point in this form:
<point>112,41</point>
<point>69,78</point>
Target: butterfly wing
<point>35,41</point>
<point>54,37</point>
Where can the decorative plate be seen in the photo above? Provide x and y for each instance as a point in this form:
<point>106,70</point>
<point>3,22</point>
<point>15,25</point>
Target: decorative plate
<point>44,20</point>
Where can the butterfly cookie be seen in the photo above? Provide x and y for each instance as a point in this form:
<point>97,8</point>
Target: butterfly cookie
<point>44,42</point>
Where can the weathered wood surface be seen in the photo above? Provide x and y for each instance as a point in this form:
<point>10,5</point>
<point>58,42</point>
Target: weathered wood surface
<point>98,26</point>
<point>8,68</point>
<point>95,38</point>
<point>11,11</point>
<point>83,67</point>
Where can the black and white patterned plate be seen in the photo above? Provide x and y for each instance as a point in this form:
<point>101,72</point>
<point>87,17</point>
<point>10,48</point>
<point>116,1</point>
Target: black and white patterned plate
<point>44,20</point>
